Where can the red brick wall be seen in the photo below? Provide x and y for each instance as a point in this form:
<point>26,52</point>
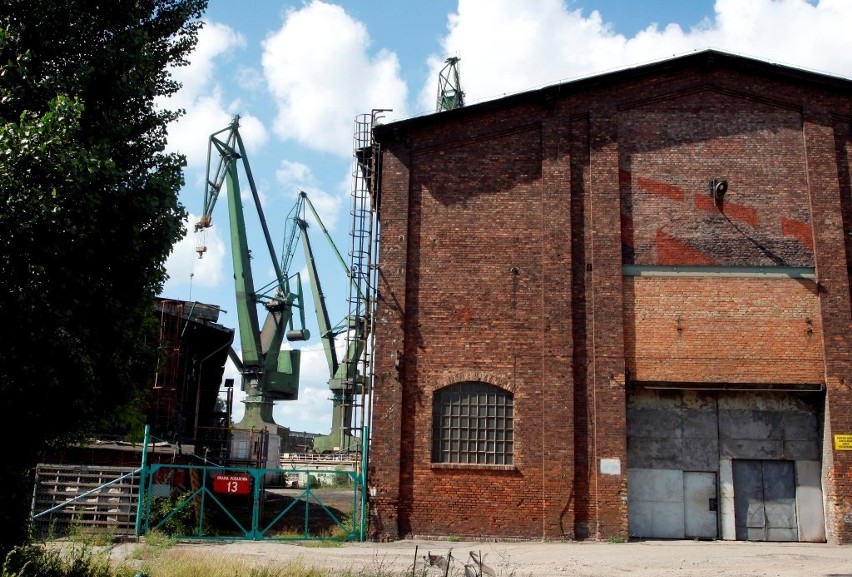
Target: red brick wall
<point>504,231</point>
<point>840,515</point>
<point>606,402</point>
<point>666,163</point>
<point>723,330</point>
<point>581,323</point>
<point>824,146</point>
<point>390,360</point>
<point>486,279</point>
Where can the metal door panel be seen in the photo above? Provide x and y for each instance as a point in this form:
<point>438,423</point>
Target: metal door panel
<point>655,519</point>
<point>700,505</point>
<point>639,515</point>
<point>781,534</point>
<point>810,516</point>
<point>655,485</point>
<point>779,496</point>
<point>667,521</point>
<point>765,500</point>
<point>748,499</point>
<point>756,512</point>
<point>655,503</point>
<point>781,514</point>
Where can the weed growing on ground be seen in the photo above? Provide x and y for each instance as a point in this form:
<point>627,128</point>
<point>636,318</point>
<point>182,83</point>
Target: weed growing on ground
<point>323,543</point>
<point>90,536</point>
<point>37,560</point>
<point>155,543</point>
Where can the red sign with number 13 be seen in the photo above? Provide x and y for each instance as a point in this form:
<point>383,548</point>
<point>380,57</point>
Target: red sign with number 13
<point>232,484</point>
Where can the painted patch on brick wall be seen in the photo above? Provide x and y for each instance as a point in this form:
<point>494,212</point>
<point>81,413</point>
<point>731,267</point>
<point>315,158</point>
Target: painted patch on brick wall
<point>670,150</point>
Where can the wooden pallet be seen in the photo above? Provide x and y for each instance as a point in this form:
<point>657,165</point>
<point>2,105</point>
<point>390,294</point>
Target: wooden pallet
<point>84,497</point>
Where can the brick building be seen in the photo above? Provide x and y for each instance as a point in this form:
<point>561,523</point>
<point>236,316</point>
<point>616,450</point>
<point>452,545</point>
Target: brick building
<point>618,307</point>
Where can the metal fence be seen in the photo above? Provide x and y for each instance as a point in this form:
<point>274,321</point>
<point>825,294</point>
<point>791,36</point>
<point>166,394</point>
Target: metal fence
<point>308,498</point>
<point>247,503</point>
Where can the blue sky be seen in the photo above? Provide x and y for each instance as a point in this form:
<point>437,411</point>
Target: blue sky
<point>298,73</point>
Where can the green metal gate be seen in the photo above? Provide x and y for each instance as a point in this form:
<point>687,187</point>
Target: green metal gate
<point>213,502</point>
<point>314,501</point>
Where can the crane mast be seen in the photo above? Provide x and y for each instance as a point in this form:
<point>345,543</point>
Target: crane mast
<point>269,373</point>
<point>344,382</point>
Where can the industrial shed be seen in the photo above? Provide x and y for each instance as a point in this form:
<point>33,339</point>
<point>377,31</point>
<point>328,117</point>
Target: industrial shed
<point>618,307</point>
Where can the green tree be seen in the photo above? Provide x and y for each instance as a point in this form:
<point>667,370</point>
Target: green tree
<point>89,212</point>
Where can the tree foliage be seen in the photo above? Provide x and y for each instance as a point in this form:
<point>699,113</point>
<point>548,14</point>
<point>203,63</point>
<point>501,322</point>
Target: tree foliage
<point>89,212</point>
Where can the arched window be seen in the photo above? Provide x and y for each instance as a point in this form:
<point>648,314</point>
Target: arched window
<point>472,422</point>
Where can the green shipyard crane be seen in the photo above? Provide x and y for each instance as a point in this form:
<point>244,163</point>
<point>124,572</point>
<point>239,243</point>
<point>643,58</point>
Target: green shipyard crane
<point>345,383</point>
<point>269,373</point>
<point>450,94</point>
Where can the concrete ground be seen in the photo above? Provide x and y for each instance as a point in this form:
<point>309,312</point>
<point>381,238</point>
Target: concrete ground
<point>521,559</point>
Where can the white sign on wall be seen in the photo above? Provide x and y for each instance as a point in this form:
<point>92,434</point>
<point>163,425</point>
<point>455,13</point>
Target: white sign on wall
<point>610,466</point>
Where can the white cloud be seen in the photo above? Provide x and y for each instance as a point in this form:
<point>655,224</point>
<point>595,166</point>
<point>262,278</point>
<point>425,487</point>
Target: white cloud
<point>253,133</point>
<point>328,207</point>
<point>814,36</point>
<point>296,176</point>
<point>508,46</point>
<point>203,100</point>
<point>319,69</point>
<point>215,41</point>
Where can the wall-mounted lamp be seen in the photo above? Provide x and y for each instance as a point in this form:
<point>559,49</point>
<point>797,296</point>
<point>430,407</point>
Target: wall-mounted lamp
<point>718,188</point>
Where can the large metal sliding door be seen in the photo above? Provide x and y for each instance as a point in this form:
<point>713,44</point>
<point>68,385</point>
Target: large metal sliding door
<point>765,500</point>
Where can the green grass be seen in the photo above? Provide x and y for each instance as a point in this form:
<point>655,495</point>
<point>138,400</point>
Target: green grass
<point>37,560</point>
<point>158,558</point>
<point>323,543</point>
<point>155,544</point>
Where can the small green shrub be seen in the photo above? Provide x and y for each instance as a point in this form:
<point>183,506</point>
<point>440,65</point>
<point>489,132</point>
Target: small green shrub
<point>36,560</point>
<point>92,536</point>
<point>341,479</point>
<point>178,512</point>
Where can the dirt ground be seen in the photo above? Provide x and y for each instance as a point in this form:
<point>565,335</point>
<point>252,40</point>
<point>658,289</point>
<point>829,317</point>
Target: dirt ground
<point>522,559</point>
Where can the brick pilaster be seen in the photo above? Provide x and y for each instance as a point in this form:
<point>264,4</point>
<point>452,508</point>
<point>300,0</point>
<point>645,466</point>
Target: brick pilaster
<point>387,395</point>
<point>833,286</point>
<point>608,435</point>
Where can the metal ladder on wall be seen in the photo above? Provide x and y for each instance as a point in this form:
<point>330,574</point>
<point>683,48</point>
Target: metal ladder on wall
<point>362,253</point>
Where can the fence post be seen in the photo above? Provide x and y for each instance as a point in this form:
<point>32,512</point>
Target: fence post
<point>142,480</point>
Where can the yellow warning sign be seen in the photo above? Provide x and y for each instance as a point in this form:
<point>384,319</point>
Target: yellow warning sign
<point>843,442</point>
